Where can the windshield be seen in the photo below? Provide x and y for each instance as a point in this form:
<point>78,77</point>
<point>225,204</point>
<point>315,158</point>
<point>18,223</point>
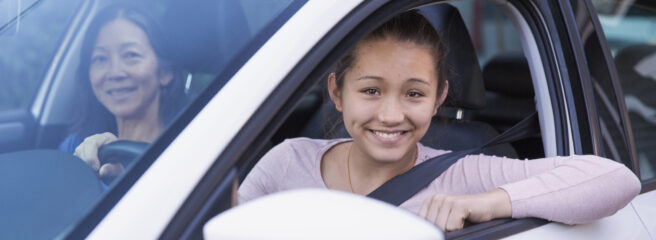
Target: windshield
<point>86,87</point>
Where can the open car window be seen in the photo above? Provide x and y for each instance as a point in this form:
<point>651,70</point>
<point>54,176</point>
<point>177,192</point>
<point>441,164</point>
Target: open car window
<point>504,75</point>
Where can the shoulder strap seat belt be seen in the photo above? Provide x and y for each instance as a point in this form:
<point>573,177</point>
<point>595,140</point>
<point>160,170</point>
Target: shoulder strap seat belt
<point>402,187</point>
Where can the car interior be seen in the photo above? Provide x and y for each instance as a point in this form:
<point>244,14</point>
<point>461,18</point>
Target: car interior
<point>481,103</point>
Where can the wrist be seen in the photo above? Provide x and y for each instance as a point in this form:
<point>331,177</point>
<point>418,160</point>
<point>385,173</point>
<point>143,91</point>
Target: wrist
<point>501,205</point>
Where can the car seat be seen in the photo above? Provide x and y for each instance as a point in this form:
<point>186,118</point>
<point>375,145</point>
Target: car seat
<point>449,129</point>
<point>510,98</point>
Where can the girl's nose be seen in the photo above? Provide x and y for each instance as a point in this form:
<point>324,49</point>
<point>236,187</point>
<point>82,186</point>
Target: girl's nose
<point>391,112</point>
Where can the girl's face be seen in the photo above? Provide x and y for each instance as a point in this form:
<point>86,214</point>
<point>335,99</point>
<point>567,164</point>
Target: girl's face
<point>124,71</point>
<point>388,97</point>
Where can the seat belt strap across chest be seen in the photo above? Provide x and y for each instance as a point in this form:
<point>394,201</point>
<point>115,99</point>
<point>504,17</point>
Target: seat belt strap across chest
<point>402,187</point>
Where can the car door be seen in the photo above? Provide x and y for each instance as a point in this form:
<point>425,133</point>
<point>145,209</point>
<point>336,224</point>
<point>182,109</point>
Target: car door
<point>603,120</point>
<point>220,136</point>
<point>552,66</point>
<point>629,32</point>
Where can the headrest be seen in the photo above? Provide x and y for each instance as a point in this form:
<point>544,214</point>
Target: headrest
<point>509,74</point>
<point>466,89</point>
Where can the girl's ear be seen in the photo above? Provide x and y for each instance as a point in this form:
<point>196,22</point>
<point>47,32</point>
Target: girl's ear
<point>165,77</point>
<point>334,91</point>
<point>441,97</point>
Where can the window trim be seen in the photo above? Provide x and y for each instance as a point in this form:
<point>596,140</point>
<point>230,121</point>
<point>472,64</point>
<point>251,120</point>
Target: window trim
<point>497,228</point>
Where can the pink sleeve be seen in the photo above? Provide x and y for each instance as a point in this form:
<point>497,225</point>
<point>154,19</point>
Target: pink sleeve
<point>572,190</point>
<point>264,177</point>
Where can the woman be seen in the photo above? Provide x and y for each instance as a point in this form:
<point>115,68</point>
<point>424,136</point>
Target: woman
<point>129,89</point>
<point>388,87</point>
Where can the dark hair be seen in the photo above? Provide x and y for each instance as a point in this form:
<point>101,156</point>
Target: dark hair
<point>408,26</point>
<point>93,117</point>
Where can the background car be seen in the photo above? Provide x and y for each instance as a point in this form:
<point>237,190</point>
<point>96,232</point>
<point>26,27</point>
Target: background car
<point>254,70</point>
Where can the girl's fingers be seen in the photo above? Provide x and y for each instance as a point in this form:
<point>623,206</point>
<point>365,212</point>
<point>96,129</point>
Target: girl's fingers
<point>434,209</point>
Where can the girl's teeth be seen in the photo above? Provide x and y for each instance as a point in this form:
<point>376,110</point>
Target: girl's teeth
<point>387,135</point>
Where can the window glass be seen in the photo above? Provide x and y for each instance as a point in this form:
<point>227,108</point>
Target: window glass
<point>27,46</point>
<point>630,28</point>
<point>129,71</point>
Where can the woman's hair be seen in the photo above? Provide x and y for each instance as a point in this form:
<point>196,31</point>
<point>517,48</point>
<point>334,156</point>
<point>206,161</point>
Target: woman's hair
<point>410,27</point>
<point>93,117</point>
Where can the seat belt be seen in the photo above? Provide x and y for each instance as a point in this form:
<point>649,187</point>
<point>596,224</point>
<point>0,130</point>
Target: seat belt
<point>402,187</point>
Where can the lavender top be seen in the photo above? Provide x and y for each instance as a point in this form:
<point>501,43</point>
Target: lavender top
<point>573,189</point>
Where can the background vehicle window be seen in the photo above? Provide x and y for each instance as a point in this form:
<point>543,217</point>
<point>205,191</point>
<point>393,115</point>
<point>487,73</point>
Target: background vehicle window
<point>630,28</point>
<point>28,46</point>
<point>505,70</point>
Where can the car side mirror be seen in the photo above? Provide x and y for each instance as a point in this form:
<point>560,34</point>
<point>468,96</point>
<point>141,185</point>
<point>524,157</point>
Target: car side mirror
<point>318,214</point>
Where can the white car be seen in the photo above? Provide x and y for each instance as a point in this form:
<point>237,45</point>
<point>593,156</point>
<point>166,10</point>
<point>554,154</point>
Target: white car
<point>253,72</point>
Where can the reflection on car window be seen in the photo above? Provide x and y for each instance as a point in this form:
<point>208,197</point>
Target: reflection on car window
<point>28,47</point>
<point>630,29</point>
<point>130,79</point>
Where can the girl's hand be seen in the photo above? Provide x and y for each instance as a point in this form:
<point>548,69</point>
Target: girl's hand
<point>449,212</point>
<point>88,152</point>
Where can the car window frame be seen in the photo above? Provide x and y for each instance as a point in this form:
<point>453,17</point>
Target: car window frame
<point>263,117</point>
<point>648,185</point>
<point>124,183</point>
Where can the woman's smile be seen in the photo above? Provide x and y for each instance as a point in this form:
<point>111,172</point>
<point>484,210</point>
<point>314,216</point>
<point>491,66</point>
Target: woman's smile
<point>119,94</point>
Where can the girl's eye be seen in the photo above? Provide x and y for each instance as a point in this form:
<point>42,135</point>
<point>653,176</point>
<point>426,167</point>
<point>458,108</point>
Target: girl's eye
<point>371,91</point>
<point>414,94</point>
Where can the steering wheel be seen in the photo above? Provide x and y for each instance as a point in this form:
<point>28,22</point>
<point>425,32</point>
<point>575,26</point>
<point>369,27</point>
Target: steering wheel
<point>122,151</point>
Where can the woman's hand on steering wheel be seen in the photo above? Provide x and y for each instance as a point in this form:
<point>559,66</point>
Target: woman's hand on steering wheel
<point>449,212</point>
<point>88,152</point>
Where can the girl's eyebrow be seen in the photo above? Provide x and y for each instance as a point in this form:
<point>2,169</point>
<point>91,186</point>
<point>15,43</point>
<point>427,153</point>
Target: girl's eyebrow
<point>419,80</point>
<point>370,77</point>
<point>410,80</point>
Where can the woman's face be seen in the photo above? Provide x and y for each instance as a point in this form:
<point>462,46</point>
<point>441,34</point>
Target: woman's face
<point>124,72</point>
<point>388,97</point>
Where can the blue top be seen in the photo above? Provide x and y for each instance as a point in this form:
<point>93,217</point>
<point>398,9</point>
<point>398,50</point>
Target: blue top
<point>69,144</point>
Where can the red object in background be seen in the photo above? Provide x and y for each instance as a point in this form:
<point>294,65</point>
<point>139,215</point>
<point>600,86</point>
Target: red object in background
<point>476,23</point>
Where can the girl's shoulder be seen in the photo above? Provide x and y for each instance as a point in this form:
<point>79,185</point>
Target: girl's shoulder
<point>306,147</point>
<point>296,153</point>
<point>426,152</point>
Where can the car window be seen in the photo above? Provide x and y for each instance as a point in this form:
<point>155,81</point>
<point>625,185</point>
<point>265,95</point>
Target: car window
<point>28,47</point>
<point>505,71</point>
<point>95,69</point>
<point>630,29</point>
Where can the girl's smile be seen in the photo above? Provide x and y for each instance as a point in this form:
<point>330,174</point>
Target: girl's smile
<point>388,99</point>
